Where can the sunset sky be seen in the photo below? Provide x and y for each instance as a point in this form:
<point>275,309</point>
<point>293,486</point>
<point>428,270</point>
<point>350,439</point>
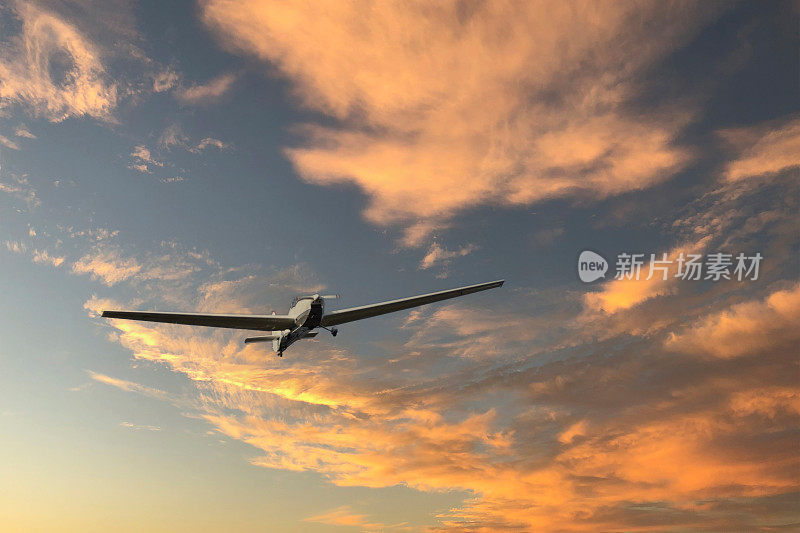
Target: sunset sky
<point>224,156</point>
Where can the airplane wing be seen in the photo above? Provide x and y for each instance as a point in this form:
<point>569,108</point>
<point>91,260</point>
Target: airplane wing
<point>257,322</point>
<point>367,311</point>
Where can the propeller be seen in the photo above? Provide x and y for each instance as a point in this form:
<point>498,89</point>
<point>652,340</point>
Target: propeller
<point>316,296</point>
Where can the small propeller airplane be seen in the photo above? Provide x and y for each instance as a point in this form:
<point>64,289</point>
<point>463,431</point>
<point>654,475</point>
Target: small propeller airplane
<point>306,314</point>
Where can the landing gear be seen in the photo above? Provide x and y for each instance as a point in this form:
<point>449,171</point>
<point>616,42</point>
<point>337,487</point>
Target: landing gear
<point>332,330</point>
<point>280,354</point>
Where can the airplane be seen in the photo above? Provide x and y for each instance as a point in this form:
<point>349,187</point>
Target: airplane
<point>306,314</point>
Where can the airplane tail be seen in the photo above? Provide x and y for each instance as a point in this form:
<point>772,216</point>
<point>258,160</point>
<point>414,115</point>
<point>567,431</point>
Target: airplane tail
<point>265,338</point>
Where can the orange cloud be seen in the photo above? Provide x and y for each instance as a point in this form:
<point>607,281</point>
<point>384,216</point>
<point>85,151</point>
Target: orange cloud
<point>453,105</point>
<point>165,80</point>
<point>43,256</point>
<point>745,328</point>
<point>208,92</point>
<point>344,516</point>
<point>107,263</point>
<point>27,67</point>
<point>107,266</point>
<point>19,187</point>
<point>616,439</point>
<point>545,470</point>
<point>129,386</point>
<point>439,256</point>
<point>8,143</point>
<point>621,294</point>
<point>764,149</point>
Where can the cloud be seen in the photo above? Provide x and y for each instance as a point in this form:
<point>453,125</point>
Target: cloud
<point>298,277</point>
<point>462,331</point>
<point>37,256</point>
<point>173,136</point>
<point>621,294</point>
<point>18,186</point>
<point>439,256</point>
<point>569,450</point>
<point>139,427</point>
<point>42,256</point>
<point>344,516</point>
<point>546,237</point>
<point>22,131</point>
<point>8,143</point>
<point>764,149</point>
<point>52,68</point>
<point>745,328</point>
<point>209,142</point>
<point>208,92</point>
<point>165,80</point>
<point>129,386</point>
<point>416,234</point>
<point>16,246</point>
<point>489,104</point>
<point>547,423</point>
<point>107,265</point>
<point>143,160</point>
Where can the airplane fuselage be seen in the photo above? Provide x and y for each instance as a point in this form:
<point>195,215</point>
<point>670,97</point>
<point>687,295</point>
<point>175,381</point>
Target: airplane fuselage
<point>307,313</point>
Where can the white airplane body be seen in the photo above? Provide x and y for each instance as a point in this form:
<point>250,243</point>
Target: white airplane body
<point>304,317</point>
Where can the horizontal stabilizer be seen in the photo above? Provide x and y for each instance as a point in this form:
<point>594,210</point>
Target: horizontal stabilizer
<point>266,338</point>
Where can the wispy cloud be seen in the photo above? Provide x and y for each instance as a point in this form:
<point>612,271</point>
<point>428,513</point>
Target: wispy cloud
<point>471,118</point>
<point>165,80</point>
<point>569,449</point>
<point>107,265</point>
<point>657,276</point>
<point>129,386</point>
<point>439,256</point>
<point>173,136</point>
<point>745,328</point>
<point>8,143</point>
<point>139,427</point>
<point>16,246</point>
<point>208,92</point>
<point>764,149</point>
<point>207,143</point>
<point>22,131</point>
<point>43,256</point>
<point>18,186</point>
<point>142,160</point>
<point>344,516</point>
<point>54,69</point>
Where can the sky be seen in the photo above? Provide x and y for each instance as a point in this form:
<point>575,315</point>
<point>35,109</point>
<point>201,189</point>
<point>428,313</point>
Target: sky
<point>225,156</point>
